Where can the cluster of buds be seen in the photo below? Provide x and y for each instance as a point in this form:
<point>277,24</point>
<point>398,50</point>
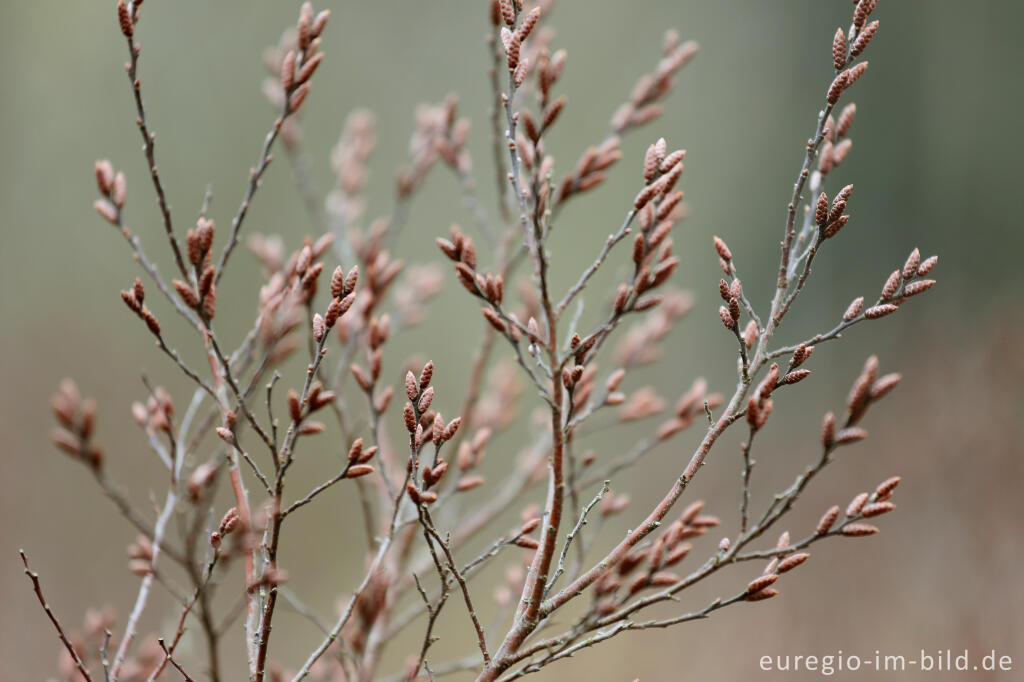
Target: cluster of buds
<point>900,285</point>
<point>644,104</point>
<point>76,419</point>
<point>759,405</point>
<point>425,425</point>
<point>113,191</point>
<point>378,331</point>
<point>831,219</point>
<point>590,170</point>
<point>226,432</point>
<point>471,451</point>
<point>486,286</point>
<point>228,523</point>
<point>652,247</point>
<point>844,80</point>
<point>868,389</point>
<point>305,270</point>
<point>642,343</point>
<point>643,403</point>
<point>140,556</point>
<point>452,136</point>
<point>134,298</point>
<point>549,69</point>
<point>349,159</point>
<point>572,376</point>
<point>731,294</point>
<point>647,566</point>
<point>358,458</point>
<point>436,133</point>
<point>268,250</point>
<point>865,34</point>
<point>692,406</point>
<point>203,296</point>
<point>513,37</point>
<point>429,426</point>
<point>529,136</point>
<point>531,521</point>
<point>658,204</point>
<point>724,255</point>
<point>862,506</point>
<point>613,396</point>
<point>380,271</point>
<point>200,481</point>
<point>802,353</point>
<point>461,250</point>
<point>343,295</point>
<point>836,144</point>
<point>299,410</point>
<point>847,47</point>
<point>470,455</point>
<point>497,408</point>
<point>157,413</point>
<point>760,588</point>
<point>299,64</point>
<point>284,299</point>
<point>661,173</point>
<point>292,63</point>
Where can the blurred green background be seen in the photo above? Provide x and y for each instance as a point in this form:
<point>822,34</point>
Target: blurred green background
<point>936,164</point>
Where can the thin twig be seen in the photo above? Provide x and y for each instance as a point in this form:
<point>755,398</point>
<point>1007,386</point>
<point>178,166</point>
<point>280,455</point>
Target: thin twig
<point>453,567</point>
<point>174,662</point>
<point>34,577</point>
<point>148,144</point>
<point>560,569</point>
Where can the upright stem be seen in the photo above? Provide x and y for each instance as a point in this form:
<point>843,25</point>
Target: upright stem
<point>147,582</point>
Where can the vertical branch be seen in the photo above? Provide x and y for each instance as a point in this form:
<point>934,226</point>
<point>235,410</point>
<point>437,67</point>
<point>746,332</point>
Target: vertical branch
<point>748,467</point>
<point>128,16</point>
<point>494,78</point>
<point>147,581</point>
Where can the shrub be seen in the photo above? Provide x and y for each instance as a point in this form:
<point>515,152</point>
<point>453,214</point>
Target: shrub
<point>419,512</point>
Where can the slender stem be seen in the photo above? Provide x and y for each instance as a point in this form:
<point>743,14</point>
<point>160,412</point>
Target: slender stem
<point>560,569</point>
<point>375,564</point>
<point>428,525</point>
<point>748,466</point>
<point>34,577</point>
<point>609,244</point>
<point>148,144</point>
<point>147,581</point>
<point>200,588</point>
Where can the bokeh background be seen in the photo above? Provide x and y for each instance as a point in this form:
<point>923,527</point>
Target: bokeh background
<point>936,164</point>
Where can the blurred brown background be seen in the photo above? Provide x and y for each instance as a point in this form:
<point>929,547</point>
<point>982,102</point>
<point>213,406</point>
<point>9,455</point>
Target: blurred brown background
<point>936,163</point>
